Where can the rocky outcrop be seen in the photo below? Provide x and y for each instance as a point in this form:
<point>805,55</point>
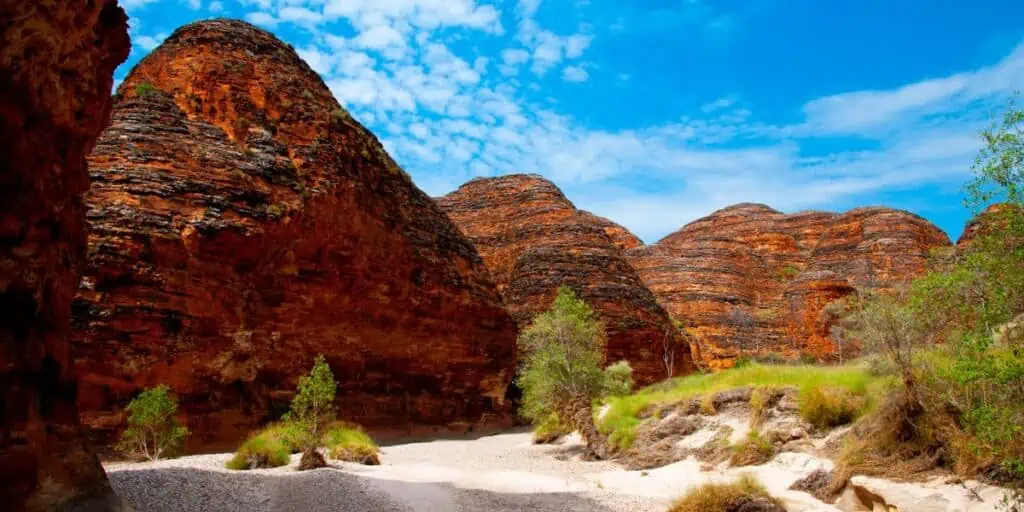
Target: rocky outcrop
<point>57,61</point>
<point>748,280</point>
<point>243,222</point>
<point>534,240</point>
<point>620,236</point>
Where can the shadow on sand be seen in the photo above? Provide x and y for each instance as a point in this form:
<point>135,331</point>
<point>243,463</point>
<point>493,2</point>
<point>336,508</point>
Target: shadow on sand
<point>181,489</point>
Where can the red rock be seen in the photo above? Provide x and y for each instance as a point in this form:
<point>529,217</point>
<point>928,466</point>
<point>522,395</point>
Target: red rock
<point>534,240</point>
<point>57,60</point>
<point>243,222</point>
<point>748,280</point>
<point>620,236</point>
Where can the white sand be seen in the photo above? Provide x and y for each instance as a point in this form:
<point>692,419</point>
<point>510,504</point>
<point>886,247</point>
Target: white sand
<point>503,472</point>
<point>494,473</point>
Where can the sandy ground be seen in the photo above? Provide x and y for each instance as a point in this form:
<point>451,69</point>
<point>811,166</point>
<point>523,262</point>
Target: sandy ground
<point>503,472</point>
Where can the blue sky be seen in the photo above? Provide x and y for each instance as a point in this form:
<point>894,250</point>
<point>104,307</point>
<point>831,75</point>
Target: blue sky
<point>656,112</point>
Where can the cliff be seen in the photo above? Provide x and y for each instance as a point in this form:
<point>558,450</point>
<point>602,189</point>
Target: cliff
<point>243,222</point>
<point>57,62</point>
<point>748,280</point>
<point>534,240</point>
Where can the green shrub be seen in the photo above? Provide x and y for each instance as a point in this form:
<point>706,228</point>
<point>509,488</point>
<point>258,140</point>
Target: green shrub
<point>561,353</point>
<point>724,497</point>
<point>264,450</point>
<point>339,117</point>
<point>144,89</point>
<point>348,442</point>
<point>830,406</point>
<point>787,273</point>
<point>752,450</point>
<point>313,407</point>
<point>276,211</point>
<point>618,379</point>
<point>152,429</point>
<point>550,430</point>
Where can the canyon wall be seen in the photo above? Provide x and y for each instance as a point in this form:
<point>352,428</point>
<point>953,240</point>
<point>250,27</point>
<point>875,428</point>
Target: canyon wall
<point>534,240</point>
<point>243,222</point>
<point>748,280</point>
<point>57,61</point>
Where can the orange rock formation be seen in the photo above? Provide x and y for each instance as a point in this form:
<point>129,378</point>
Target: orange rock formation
<point>243,222</point>
<point>534,240</point>
<point>748,280</point>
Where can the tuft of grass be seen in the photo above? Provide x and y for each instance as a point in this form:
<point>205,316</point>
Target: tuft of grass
<point>758,403</point>
<point>622,418</point>
<point>752,451</point>
<point>260,451</point>
<point>348,442</point>
<point>707,405</point>
<point>288,434</point>
<point>830,406</point>
<point>551,430</point>
<point>724,497</point>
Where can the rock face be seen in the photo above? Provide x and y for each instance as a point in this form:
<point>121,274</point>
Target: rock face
<point>243,223</point>
<point>534,240</point>
<point>57,61</point>
<point>748,280</point>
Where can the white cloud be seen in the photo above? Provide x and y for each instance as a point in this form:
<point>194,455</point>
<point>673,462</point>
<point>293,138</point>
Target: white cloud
<point>216,6</point>
<point>262,19</point>
<point>195,5</point>
<point>147,42</point>
<point>575,74</point>
<point>859,111</point>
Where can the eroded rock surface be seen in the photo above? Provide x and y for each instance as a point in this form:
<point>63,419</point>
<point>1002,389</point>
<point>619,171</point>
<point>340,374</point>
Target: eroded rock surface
<point>57,60</point>
<point>748,280</point>
<point>534,240</point>
<point>243,222</point>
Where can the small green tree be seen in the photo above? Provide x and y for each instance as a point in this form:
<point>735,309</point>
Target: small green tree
<point>152,429</point>
<point>313,408</point>
<point>618,379</point>
<point>562,352</point>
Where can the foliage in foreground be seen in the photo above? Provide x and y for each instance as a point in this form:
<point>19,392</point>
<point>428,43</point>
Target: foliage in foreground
<point>852,381</point>
<point>561,372</point>
<point>153,431</point>
<point>955,338</point>
<point>348,442</point>
<point>726,497</point>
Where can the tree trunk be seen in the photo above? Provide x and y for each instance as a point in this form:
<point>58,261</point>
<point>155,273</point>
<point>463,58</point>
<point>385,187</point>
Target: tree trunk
<point>582,418</point>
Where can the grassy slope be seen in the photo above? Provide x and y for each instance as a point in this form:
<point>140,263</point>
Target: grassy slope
<point>621,420</point>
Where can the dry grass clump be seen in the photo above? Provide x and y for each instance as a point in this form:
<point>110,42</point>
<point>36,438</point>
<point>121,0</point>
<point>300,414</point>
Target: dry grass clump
<point>260,451</point>
<point>752,451</point>
<point>830,406</point>
<point>745,494</point>
<point>707,405</point>
<point>348,442</point>
<point>551,430</point>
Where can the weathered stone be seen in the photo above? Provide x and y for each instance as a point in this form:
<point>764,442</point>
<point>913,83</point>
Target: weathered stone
<point>748,280</point>
<point>243,222</point>
<point>534,240</point>
<point>57,60</point>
